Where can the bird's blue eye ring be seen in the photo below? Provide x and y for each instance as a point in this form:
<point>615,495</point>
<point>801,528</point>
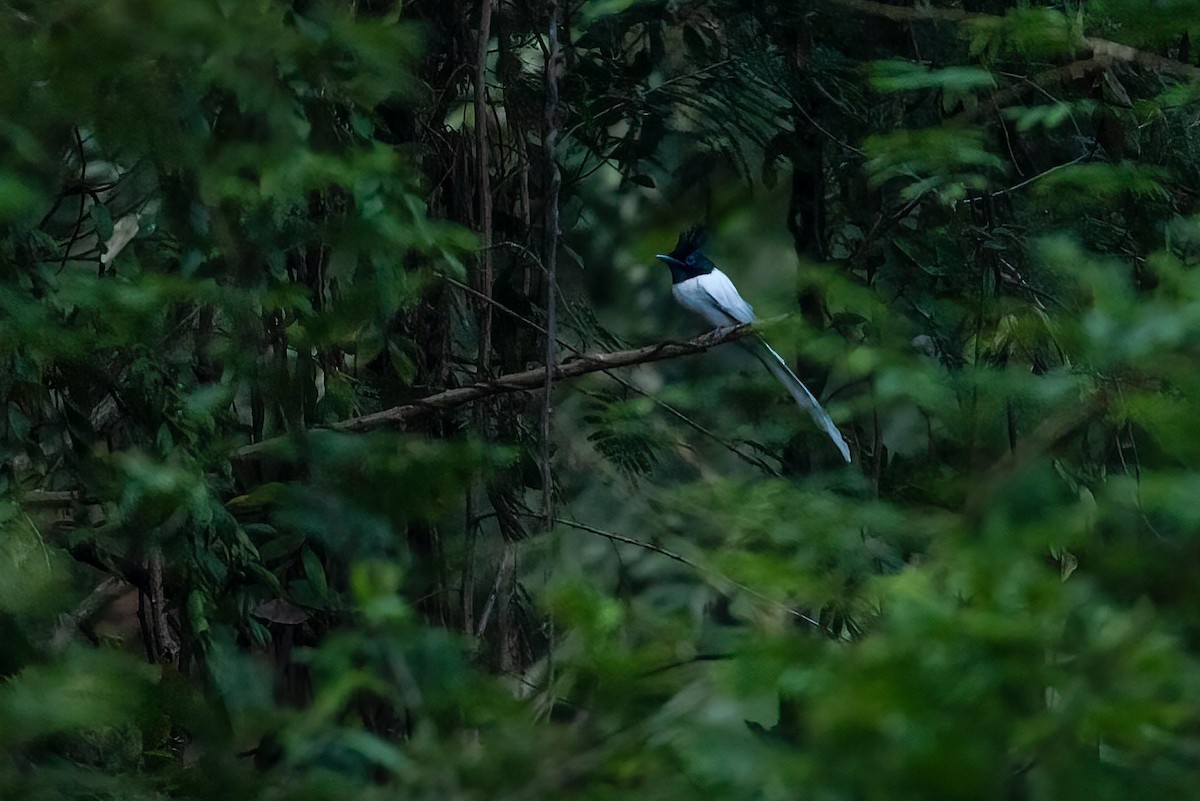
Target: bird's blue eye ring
<point>691,259</point>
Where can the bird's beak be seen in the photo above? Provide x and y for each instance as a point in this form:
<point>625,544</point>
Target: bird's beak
<point>668,260</point>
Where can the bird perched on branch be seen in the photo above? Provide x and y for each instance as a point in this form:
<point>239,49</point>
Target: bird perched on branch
<point>700,287</point>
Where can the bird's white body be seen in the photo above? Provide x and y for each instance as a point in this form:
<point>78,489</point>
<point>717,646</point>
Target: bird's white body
<point>714,297</point>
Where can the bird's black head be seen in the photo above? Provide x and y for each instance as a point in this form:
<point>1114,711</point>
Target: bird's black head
<point>687,260</point>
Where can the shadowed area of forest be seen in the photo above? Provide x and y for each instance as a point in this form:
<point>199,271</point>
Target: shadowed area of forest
<point>359,442</point>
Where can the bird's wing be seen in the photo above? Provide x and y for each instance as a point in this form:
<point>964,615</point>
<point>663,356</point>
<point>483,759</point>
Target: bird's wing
<point>724,295</point>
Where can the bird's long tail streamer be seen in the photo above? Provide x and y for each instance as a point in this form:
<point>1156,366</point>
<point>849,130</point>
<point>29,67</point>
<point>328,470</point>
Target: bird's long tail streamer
<point>795,387</point>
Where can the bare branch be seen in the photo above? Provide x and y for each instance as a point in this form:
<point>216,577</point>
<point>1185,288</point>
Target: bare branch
<point>51,498</point>
<point>1104,49</point>
<point>1027,181</point>
<point>629,385</point>
<point>522,382</point>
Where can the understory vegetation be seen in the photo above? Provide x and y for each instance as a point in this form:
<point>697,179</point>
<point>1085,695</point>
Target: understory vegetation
<point>292,507</point>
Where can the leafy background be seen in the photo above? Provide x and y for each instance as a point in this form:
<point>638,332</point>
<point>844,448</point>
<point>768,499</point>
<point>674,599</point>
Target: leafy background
<point>226,228</point>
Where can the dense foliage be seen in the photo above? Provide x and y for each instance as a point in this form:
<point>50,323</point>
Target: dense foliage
<point>243,557</point>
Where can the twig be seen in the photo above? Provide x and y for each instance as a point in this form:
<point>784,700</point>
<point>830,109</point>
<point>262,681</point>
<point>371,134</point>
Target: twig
<point>799,107</point>
<point>83,196</point>
<point>881,226</point>
<point>1137,474</point>
<point>1027,181</point>
<point>491,601</point>
<point>1032,83</point>
<point>649,546</point>
<point>1008,144</point>
<point>626,100</point>
<point>695,566</point>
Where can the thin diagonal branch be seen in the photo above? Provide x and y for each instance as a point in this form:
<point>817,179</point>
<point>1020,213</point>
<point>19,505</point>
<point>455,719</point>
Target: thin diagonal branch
<point>83,196</point>
<point>1027,181</point>
<point>522,382</point>
<point>629,385</point>
<point>649,546</point>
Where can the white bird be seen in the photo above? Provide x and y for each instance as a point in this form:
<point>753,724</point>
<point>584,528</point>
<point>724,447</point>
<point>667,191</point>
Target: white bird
<point>700,287</point>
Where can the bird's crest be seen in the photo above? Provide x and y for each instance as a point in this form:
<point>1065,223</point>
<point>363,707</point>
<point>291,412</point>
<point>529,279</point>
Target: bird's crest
<point>690,241</point>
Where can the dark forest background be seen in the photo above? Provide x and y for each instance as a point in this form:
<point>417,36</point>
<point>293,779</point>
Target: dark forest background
<point>291,508</point>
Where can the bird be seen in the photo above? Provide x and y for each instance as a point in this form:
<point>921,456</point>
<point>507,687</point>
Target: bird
<point>698,286</point>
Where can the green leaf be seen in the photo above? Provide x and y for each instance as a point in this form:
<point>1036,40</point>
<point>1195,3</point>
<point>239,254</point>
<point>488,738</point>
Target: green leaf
<point>18,423</point>
<point>262,495</point>
<point>164,441</point>
<point>280,546</point>
<point>1101,181</point>
<point>197,618</point>
<point>314,571</point>
<point>905,76</point>
<point>16,197</point>
<point>102,219</point>
<point>592,10</point>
